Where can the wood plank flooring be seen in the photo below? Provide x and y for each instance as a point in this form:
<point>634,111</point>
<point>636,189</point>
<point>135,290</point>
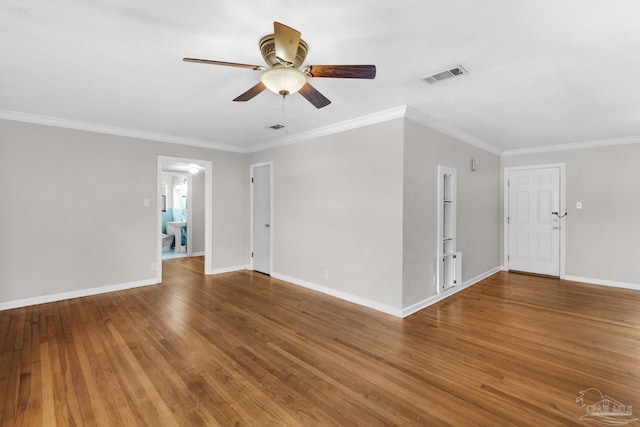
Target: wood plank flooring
<point>245,349</point>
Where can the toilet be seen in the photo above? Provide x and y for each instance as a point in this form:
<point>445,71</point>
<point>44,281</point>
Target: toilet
<point>167,242</point>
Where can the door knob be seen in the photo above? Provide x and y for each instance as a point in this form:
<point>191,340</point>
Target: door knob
<point>267,225</point>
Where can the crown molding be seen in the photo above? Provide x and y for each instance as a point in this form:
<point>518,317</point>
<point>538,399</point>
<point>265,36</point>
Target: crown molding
<point>379,117</point>
<point>452,131</point>
<point>404,111</point>
<point>111,130</point>
<point>370,119</point>
<point>594,143</point>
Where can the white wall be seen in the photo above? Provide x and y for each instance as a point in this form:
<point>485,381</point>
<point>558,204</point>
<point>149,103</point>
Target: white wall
<point>166,189</point>
<point>72,225</point>
<point>478,215</point>
<point>603,238</point>
<point>172,179</point>
<point>337,203</point>
<point>197,214</point>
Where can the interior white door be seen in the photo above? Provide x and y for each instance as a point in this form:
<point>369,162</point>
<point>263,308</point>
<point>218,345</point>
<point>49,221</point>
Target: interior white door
<point>533,221</point>
<point>261,252</point>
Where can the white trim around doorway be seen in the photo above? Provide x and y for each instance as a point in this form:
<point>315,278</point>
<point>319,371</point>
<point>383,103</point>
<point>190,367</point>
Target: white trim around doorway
<point>208,197</point>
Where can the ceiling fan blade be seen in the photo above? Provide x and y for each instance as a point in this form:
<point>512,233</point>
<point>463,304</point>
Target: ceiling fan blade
<point>312,95</point>
<point>257,89</point>
<point>342,71</point>
<point>287,40</point>
<point>227,64</point>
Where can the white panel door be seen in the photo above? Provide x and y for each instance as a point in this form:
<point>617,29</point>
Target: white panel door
<point>262,219</point>
<point>533,221</point>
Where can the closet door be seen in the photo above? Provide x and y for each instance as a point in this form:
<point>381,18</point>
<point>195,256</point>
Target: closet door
<point>261,221</point>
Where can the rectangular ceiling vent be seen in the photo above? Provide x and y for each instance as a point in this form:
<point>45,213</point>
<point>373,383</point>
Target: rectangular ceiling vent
<point>453,72</point>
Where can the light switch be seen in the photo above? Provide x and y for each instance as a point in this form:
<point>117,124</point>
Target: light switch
<point>147,203</point>
<point>579,205</point>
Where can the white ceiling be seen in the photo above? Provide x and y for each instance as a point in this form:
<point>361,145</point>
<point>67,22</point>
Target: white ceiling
<point>181,166</point>
<point>540,72</point>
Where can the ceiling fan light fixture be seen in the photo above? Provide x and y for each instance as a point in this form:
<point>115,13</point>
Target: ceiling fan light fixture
<point>283,80</point>
<point>285,52</point>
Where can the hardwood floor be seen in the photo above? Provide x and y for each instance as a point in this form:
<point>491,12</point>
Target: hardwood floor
<point>244,349</point>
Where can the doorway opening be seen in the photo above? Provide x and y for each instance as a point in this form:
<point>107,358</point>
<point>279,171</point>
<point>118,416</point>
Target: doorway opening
<point>534,219</point>
<point>184,217</point>
<point>177,215</point>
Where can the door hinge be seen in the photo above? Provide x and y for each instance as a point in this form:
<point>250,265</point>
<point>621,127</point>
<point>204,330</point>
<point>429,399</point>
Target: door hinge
<point>508,220</point>
<point>507,257</point>
<point>252,180</point>
<point>251,254</point>
<point>508,183</point>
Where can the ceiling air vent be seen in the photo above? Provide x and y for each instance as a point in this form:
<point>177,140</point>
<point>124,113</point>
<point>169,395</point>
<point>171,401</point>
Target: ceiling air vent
<point>276,127</point>
<point>453,72</point>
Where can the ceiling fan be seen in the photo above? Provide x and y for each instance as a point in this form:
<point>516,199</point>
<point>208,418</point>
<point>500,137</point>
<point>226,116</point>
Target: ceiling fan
<point>284,52</point>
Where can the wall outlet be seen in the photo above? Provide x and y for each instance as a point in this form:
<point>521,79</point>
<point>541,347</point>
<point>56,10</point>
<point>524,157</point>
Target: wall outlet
<point>154,266</point>
<point>326,274</point>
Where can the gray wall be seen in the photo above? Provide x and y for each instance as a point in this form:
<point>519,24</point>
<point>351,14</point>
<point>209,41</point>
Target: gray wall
<point>360,204</point>
<point>603,238</point>
<point>338,207</point>
<point>478,215</point>
<point>68,224</point>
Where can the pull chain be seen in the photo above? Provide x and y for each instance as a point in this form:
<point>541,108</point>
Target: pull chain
<point>284,116</point>
<point>284,113</point>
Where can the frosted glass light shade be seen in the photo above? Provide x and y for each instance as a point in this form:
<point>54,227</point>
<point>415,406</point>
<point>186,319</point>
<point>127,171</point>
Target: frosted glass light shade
<point>283,81</point>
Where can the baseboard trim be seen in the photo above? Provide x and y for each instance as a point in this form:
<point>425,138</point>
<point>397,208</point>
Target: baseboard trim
<point>601,282</point>
<point>384,308</point>
<point>197,254</point>
<point>227,269</point>
<point>408,311</point>
<point>75,294</point>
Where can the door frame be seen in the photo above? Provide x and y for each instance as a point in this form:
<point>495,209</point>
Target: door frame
<point>271,221</point>
<point>505,213</point>
<point>208,197</point>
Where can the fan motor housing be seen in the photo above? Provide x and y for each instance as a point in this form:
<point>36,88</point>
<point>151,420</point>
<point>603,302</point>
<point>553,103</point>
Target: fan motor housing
<point>268,51</point>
